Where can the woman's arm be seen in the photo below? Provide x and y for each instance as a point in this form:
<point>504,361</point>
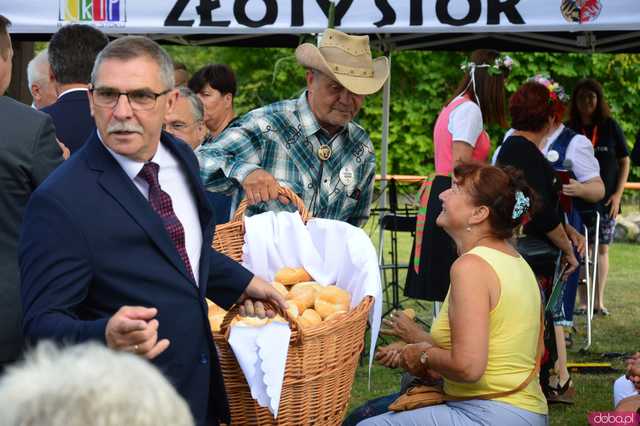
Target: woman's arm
<point>462,152</point>
<point>559,238</point>
<point>614,201</point>
<point>469,306</point>
<point>591,190</point>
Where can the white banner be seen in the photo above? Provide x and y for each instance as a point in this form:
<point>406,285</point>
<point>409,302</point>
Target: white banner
<point>309,16</point>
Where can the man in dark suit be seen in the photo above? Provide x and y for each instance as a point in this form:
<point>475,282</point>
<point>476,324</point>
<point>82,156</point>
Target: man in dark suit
<point>117,242</point>
<point>72,52</point>
<point>28,153</point>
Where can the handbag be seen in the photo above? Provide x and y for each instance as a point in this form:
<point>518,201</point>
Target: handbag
<point>423,395</point>
<point>538,253</point>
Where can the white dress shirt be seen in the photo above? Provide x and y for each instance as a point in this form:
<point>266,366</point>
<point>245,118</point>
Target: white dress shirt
<point>173,180</point>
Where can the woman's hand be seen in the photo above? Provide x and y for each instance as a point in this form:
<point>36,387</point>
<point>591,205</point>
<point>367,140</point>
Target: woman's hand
<point>410,358</point>
<point>389,356</point>
<point>577,239</point>
<point>400,325</point>
<point>572,263</point>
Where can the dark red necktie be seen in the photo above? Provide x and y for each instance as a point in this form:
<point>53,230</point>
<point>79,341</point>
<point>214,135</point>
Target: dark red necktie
<point>161,203</point>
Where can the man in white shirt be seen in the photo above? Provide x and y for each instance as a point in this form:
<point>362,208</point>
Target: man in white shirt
<point>116,245</point>
<point>42,89</point>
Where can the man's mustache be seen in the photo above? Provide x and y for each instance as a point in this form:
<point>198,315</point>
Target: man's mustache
<point>120,126</point>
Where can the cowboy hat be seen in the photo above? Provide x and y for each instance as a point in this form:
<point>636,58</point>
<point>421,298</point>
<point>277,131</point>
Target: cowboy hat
<point>347,59</point>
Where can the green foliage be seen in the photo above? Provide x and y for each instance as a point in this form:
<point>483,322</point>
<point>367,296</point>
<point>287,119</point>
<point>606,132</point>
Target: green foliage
<point>420,84</point>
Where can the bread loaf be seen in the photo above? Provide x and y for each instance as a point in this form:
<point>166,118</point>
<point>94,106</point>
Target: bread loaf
<point>291,276</point>
<point>332,299</point>
<point>309,318</point>
<point>303,297</point>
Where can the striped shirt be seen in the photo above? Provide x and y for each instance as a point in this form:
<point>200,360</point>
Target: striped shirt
<point>283,138</point>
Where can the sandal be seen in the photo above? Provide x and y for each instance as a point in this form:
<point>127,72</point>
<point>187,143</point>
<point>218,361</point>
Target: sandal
<point>604,312</point>
<point>580,311</point>
<point>562,394</point>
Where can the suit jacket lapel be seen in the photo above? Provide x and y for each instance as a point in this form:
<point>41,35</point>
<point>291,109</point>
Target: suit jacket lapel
<point>116,182</point>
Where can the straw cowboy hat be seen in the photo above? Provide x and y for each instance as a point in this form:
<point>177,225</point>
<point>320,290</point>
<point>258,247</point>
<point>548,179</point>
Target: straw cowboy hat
<point>347,59</point>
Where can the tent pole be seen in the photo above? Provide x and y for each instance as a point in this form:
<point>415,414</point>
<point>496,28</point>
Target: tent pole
<point>384,149</point>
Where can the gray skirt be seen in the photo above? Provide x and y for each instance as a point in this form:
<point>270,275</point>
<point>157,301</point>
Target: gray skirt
<point>461,413</point>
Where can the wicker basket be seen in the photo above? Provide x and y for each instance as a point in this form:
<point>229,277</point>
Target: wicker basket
<point>321,362</point>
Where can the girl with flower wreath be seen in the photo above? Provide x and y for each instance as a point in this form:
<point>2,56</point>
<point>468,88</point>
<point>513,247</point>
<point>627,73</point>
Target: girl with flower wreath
<point>459,136</point>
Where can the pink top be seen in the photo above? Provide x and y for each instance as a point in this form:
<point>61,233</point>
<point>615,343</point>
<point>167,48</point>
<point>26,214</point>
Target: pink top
<point>443,143</point>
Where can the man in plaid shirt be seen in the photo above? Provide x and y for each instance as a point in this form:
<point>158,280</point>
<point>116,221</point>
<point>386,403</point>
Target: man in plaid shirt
<point>309,144</point>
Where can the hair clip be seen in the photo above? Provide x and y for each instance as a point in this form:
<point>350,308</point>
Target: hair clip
<point>521,206</point>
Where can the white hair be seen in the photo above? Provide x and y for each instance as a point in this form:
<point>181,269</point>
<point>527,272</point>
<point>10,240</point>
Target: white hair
<point>88,384</point>
<point>38,69</point>
<point>197,108</point>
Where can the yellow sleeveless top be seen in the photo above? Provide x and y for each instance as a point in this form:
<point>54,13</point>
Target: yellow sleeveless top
<point>514,326</point>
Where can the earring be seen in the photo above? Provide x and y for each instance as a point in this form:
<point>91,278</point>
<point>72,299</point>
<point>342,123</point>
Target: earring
<point>468,228</point>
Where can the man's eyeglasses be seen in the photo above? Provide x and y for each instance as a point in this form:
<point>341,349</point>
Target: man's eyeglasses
<point>140,100</point>
<point>178,126</point>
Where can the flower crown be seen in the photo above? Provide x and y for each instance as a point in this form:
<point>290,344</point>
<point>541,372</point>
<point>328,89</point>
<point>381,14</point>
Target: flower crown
<point>495,68</point>
<point>556,91</point>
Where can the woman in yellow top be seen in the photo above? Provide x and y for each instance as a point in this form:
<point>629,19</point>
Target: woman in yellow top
<point>485,339</point>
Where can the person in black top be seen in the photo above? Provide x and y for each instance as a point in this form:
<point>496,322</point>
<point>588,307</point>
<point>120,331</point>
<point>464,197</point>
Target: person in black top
<point>590,115</point>
<point>532,115</point>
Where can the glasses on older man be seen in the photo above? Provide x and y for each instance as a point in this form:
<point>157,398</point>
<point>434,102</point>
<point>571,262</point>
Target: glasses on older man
<point>178,125</point>
<point>140,100</point>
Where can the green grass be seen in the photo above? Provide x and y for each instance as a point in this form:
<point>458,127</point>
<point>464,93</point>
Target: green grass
<point>616,333</point>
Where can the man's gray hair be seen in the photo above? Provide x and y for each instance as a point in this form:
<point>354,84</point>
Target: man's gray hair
<point>132,47</point>
<point>88,384</point>
<point>196,104</point>
<point>38,68</point>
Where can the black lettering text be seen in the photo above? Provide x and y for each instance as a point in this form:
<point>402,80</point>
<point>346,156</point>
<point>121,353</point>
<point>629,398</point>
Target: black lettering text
<point>508,7</point>
<point>442,12</point>
<point>297,17</point>
<point>173,18</point>
<point>205,9</point>
<point>341,9</point>
<point>269,17</point>
<point>388,14</point>
<point>415,15</point>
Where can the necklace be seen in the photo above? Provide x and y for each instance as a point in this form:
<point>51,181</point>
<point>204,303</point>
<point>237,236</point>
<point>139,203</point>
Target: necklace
<point>324,152</point>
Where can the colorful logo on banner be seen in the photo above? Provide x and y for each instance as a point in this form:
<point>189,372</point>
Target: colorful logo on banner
<point>581,11</point>
<point>101,13</point>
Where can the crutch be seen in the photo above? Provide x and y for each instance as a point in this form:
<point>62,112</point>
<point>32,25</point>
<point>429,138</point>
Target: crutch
<point>591,284</point>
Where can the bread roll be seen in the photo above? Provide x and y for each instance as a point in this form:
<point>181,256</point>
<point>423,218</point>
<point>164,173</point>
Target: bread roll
<point>308,284</point>
<point>292,310</point>
<point>304,297</point>
<point>410,312</point>
<point>335,315</point>
<point>281,289</point>
<point>249,321</point>
<point>332,299</point>
<point>216,322</point>
<point>291,276</point>
<point>309,318</point>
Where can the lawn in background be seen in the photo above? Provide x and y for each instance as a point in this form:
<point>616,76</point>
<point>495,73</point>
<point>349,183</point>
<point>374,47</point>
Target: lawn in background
<point>616,333</point>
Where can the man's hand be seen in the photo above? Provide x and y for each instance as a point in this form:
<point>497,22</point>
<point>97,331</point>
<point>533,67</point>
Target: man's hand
<point>134,329</point>
<point>573,189</point>
<point>260,185</point>
<point>614,204</point>
<point>261,290</point>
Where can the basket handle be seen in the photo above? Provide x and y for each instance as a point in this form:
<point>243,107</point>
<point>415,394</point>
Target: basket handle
<point>282,190</point>
<point>293,323</point>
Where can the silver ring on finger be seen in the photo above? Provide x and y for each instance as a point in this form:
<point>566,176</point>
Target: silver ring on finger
<point>136,348</point>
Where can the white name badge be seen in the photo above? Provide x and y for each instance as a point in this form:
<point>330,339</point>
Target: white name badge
<point>346,176</point>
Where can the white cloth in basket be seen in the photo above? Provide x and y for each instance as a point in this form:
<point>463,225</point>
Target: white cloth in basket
<point>331,251</point>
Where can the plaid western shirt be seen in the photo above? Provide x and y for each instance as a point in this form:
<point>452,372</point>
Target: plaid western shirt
<point>283,138</point>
